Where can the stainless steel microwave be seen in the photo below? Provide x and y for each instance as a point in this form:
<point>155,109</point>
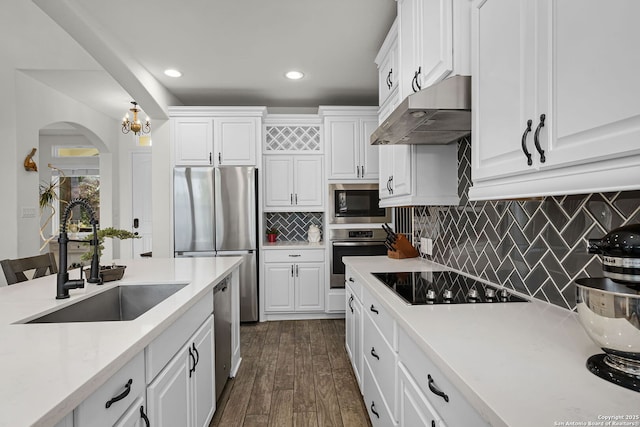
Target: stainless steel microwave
<point>356,204</point>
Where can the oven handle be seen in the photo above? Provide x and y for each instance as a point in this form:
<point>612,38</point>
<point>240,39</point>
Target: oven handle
<point>359,243</point>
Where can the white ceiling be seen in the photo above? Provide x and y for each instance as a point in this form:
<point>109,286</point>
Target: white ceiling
<point>232,52</point>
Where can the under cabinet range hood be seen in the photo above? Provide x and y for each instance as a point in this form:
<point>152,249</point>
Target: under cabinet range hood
<point>437,115</point>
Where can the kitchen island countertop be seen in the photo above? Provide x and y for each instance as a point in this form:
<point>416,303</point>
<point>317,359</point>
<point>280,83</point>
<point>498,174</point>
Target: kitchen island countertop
<point>518,364</point>
<point>48,369</point>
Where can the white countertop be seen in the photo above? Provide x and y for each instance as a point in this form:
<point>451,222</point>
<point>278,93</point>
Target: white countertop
<point>46,370</point>
<point>293,245</point>
<point>518,365</point>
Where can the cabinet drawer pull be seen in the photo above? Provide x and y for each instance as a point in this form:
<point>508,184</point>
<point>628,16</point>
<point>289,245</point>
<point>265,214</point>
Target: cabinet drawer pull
<point>297,270</point>
<point>433,423</point>
<point>144,416</point>
<point>197,355</point>
<point>358,171</point>
<point>373,409</point>
<point>291,270</point>
<point>294,255</point>
<point>291,198</point>
<point>296,198</point>
<point>372,308</point>
<point>374,354</point>
<point>210,158</point>
<point>524,142</point>
<point>219,158</point>
<point>351,303</point>
<point>436,390</point>
<point>193,359</point>
<point>362,170</point>
<point>125,393</point>
<point>536,140</point>
<point>351,279</point>
<point>418,81</point>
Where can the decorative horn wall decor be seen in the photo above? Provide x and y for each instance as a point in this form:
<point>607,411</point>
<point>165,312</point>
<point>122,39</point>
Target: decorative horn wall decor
<point>29,164</point>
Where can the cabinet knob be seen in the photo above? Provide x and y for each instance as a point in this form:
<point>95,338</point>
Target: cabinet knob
<point>524,142</point>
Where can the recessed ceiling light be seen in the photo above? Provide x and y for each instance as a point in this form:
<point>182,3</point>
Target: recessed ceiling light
<point>294,75</point>
<point>172,73</point>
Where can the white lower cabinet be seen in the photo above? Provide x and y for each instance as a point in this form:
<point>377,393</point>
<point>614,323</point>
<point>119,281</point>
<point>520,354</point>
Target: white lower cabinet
<point>136,415</point>
<point>399,383</point>
<point>294,280</point>
<point>413,408</point>
<point>184,390</point>
<point>376,408</point>
<point>353,332</point>
<point>109,403</point>
<point>433,385</point>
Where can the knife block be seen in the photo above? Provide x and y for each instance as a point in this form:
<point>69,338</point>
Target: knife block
<point>404,249</point>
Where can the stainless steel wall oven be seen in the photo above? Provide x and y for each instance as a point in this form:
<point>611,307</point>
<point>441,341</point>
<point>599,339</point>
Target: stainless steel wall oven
<point>356,204</point>
<point>352,242</point>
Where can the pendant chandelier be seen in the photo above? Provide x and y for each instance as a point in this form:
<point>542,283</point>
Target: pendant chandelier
<point>135,125</point>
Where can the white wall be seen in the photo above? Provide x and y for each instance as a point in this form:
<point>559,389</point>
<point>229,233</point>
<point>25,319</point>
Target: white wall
<point>31,106</point>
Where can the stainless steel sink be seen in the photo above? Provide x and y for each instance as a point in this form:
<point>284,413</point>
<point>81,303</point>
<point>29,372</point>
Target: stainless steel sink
<point>125,302</point>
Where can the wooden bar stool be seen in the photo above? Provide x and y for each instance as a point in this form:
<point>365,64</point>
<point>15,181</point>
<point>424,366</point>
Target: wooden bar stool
<point>14,269</point>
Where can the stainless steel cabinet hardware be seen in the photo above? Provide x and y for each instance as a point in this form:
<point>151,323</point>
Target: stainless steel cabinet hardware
<point>524,142</point>
<point>536,140</point>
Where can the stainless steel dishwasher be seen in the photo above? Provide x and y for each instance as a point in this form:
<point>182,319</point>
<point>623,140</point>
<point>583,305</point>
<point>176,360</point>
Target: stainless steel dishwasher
<point>222,332</point>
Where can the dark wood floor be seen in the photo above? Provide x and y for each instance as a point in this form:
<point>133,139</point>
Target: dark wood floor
<point>293,373</point>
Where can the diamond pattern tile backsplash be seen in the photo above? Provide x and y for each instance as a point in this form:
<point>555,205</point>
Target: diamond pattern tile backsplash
<point>294,226</point>
<point>538,247</point>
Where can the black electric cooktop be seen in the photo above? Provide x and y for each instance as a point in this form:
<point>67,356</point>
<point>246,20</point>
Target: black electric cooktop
<point>443,287</point>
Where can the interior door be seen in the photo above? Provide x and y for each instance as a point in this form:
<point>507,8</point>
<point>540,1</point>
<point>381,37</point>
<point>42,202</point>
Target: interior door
<point>141,204</point>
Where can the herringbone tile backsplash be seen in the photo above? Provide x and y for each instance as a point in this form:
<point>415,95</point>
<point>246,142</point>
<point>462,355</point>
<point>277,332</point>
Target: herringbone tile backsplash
<point>294,226</point>
<point>538,247</point>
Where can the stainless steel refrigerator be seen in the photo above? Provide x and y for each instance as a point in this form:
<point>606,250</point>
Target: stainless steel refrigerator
<point>216,214</point>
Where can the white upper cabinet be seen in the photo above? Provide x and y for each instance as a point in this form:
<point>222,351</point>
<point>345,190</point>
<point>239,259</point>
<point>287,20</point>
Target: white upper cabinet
<point>293,183</point>
<point>434,42</point>
<point>387,61</point>
<point>554,98</point>
<point>236,140</point>
<point>347,132</point>
<point>418,175</point>
<point>216,136</point>
<point>293,163</point>
<point>193,140</point>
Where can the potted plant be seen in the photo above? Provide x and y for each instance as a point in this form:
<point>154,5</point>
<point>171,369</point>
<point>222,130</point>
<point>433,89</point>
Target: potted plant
<point>272,234</point>
<point>112,272</point>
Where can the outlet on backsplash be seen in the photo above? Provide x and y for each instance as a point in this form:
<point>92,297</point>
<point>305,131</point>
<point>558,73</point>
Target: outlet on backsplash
<point>426,246</point>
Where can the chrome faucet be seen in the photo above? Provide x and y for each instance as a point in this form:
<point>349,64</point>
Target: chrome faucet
<point>64,284</point>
